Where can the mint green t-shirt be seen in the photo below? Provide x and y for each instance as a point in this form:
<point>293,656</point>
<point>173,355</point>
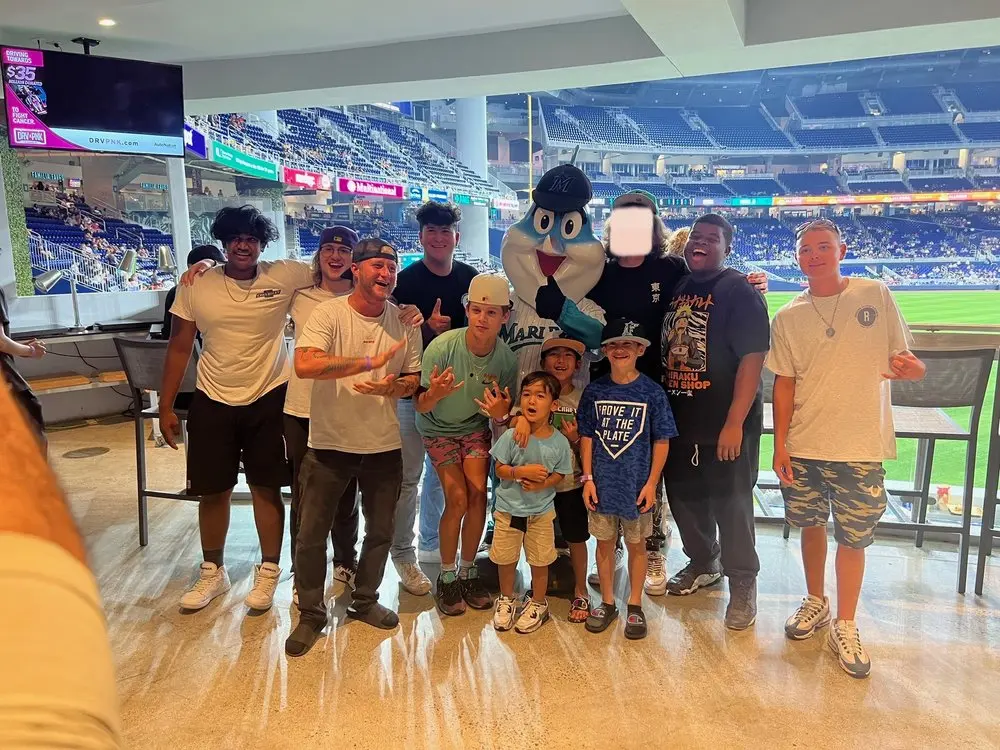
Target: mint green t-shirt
<point>458,414</point>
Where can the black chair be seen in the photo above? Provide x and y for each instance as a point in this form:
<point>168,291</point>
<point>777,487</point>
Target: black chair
<point>988,531</point>
<point>143,364</point>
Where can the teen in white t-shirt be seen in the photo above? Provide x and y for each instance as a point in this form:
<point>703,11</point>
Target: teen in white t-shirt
<point>834,350</point>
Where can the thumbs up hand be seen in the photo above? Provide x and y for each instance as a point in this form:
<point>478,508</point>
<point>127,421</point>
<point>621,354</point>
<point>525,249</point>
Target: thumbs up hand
<point>438,323</point>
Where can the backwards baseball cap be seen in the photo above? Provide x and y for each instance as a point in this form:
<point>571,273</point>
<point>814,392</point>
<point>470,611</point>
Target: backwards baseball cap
<point>561,341</point>
<point>488,289</point>
<point>338,235</point>
<point>623,330</point>
<point>373,248</point>
<point>563,188</point>
<point>635,198</point>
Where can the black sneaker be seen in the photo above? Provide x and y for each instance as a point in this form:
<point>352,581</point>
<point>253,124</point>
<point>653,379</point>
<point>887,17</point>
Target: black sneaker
<point>474,592</point>
<point>691,578</point>
<point>449,596</point>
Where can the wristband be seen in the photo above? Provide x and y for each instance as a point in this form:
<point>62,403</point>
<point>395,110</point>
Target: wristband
<point>368,364</point>
<point>586,477</point>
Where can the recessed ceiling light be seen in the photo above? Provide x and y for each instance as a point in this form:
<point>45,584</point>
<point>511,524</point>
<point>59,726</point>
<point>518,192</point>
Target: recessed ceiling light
<point>107,22</point>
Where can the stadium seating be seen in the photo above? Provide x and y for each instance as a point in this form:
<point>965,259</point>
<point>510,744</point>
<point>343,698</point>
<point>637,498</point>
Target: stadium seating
<point>836,138</point>
<point>604,127</point>
<point>902,135</point>
<point>667,127</point>
<point>810,183</point>
<point>607,190</point>
<point>981,131</point>
<point>988,182</point>
<point>742,128</point>
<point>753,186</point>
<point>912,100</point>
<point>656,189</point>
<point>873,187</point>
<point>703,189</point>
<point>830,105</point>
<point>929,184</point>
<point>979,97</point>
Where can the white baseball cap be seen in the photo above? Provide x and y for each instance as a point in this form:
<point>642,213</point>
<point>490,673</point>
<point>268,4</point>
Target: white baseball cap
<point>488,289</point>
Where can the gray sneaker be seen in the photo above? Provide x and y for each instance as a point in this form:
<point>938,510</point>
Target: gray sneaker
<point>690,578</point>
<point>812,614</point>
<point>742,610</point>
<point>845,642</point>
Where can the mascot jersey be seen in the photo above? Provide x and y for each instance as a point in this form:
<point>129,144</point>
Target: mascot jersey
<point>553,260</point>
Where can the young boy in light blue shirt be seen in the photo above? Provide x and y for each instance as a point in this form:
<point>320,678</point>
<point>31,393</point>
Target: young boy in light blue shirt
<point>525,503</point>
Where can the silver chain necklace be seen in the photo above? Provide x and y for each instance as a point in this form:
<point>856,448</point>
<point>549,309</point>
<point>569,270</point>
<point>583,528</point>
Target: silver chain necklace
<point>830,330</point>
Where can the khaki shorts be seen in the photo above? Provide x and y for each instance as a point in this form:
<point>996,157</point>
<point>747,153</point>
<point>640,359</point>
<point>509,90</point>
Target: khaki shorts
<point>539,541</point>
<point>604,527</point>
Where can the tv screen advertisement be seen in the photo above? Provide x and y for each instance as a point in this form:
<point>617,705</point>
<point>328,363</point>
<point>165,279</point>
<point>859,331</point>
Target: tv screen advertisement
<point>69,102</point>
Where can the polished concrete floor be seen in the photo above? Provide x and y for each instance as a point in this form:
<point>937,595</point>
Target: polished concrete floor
<point>219,678</point>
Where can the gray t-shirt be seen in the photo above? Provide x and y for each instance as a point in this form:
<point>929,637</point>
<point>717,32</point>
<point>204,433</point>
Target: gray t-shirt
<point>842,409</point>
<point>340,418</point>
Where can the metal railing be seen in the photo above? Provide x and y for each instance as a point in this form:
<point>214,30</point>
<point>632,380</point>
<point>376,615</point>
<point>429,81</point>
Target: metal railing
<point>89,273</point>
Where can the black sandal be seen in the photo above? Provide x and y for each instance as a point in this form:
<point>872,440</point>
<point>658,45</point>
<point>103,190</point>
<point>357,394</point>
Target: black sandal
<point>601,616</point>
<point>635,624</point>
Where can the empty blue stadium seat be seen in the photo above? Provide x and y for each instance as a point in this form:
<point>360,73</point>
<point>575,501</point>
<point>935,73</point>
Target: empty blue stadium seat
<point>979,97</point>
<point>981,131</point>
<point>810,183</point>
<point>913,134</point>
<point>911,100</point>
<point>835,137</point>
<point>822,106</point>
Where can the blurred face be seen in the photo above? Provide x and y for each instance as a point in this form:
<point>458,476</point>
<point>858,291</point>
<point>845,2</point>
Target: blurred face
<point>536,403</point>
<point>243,251</point>
<point>485,320</point>
<point>819,252</point>
<point>562,363</point>
<point>623,354</point>
<point>334,260</point>
<point>706,248</point>
<point>438,241</point>
<point>376,278</point>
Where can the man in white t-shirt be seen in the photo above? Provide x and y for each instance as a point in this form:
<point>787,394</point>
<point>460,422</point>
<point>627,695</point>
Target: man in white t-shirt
<point>363,360</point>
<point>240,308</point>
<point>835,349</point>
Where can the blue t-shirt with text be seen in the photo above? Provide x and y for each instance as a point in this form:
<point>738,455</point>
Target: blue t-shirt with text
<point>553,452</point>
<point>624,421</point>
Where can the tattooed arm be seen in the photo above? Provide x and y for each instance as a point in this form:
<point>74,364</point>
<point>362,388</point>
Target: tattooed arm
<point>315,364</point>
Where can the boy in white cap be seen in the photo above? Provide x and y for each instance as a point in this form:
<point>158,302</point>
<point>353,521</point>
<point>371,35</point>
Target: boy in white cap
<point>467,378</point>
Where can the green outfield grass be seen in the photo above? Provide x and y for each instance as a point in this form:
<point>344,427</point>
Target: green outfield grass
<point>972,307</point>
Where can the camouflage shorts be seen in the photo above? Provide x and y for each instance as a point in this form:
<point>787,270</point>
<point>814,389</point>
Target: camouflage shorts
<point>855,491</point>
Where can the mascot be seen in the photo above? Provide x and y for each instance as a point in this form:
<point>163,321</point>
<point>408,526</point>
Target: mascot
<point>553,260</point>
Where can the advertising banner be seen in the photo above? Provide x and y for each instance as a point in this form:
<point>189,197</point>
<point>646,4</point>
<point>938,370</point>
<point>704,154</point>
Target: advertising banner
<point>195,142</point>
<point>506,204</point>
<point>251,165</point>
<point>461,199</point>
<point>478,200</point>
<point>300,178</point>
<point>369,187</point>
<point>415,193</point>
<point>434,194</point>
<point>27,105</point>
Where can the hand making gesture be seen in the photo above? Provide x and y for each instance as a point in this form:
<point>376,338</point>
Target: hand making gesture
<point>383,387</point>
<point>905,366</point>
<point>570,429</point>
<point>438,323</point>
<point>380,359</point>
<point>443,384</point>
<point>495,403</point>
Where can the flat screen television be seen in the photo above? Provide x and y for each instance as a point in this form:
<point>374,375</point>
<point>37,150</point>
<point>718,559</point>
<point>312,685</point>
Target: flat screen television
<point>59,100</point>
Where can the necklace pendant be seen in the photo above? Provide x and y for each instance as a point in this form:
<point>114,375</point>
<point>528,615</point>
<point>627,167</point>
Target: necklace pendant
<point>830,332</point>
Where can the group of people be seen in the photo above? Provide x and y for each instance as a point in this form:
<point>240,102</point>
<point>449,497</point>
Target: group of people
<point>425,371</point>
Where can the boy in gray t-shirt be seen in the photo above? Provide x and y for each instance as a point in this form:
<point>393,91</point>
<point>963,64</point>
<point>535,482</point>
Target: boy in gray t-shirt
<point>834,350</point>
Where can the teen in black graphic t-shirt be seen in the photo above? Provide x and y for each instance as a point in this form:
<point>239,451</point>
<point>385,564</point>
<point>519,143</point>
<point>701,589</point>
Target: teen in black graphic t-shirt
<point>714,339</point>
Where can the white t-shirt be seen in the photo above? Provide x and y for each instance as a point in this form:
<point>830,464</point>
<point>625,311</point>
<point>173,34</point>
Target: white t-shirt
<point>300,391</point>
<point>242,326</point>
<point>340,418</point>
<point>842,409</point>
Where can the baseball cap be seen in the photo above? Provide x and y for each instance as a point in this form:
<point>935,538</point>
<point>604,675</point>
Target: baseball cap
<point>635,198</point>
<point>488,289</point>
<point>371,248</point>
<point>557,341</point>
<point>623,330</point>
<point>338,235</point>
<point>563,188</point>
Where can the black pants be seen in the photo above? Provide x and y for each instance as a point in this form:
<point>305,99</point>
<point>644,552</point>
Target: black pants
<point>324,477</point>
<point>705,494</point>
<point>344,534</point>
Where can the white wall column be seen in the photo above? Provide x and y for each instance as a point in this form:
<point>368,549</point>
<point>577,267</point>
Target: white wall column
<point>180,222</point>
<point>470,134</point>
<point>270,117</point>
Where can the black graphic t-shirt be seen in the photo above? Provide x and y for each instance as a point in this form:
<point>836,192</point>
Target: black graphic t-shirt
<point>711,324</point>
<point>418,285</point>
<point>640,294</point>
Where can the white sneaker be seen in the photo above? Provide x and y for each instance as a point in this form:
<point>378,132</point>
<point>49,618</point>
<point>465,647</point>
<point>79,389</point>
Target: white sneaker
<point>265,581</point>
<point>503,613</point>
<point>656,578</point>
<point>345,575</point>
<point>594,579</point>
<point>533,616</point>
<point>432,556</point>
<point>413,578</point>
<point>212,582</point>
<point>845,641</point>
<point>812,614</point>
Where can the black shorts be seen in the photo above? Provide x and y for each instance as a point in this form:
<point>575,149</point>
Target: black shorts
<point>571,513</point>
<point>220,436</point>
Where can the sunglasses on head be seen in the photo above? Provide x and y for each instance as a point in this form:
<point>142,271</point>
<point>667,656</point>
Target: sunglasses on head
<point>817,224</point>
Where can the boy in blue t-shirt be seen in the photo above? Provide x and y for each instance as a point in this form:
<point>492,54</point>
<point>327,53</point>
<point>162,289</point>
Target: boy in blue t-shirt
<point>525,503</point>
<point>625,426</point>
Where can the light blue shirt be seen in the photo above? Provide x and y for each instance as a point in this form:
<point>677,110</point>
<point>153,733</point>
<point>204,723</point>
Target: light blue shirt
<point>554,453</point>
